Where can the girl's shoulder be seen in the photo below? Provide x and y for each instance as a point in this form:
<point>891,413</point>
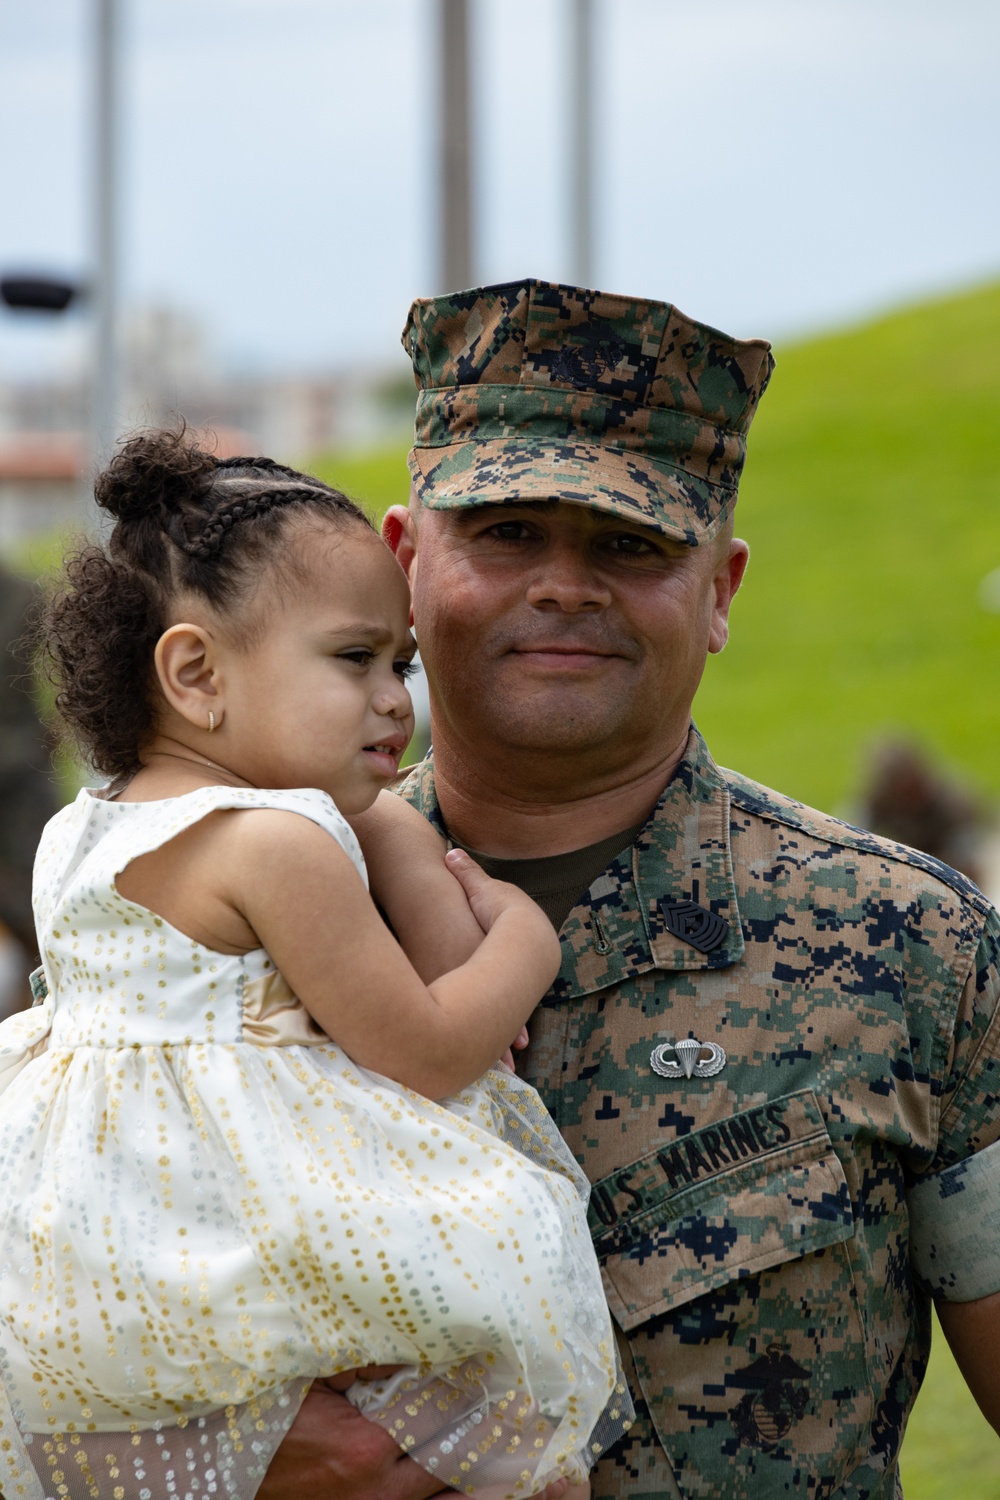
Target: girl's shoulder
<point>127,829</point>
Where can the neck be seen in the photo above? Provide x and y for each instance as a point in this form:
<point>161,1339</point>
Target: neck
<point>520,810</point>
<point>170,766</point>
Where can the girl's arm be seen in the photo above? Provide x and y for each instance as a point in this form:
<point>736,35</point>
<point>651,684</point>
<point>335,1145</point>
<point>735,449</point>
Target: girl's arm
<point>425,903</point>
<point>304,900</point>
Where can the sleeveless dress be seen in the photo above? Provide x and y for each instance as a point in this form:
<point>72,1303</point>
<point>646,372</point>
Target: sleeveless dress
<point>204,1204</point>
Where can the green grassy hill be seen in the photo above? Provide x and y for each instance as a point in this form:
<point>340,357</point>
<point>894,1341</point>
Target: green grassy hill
<point>872,506</point>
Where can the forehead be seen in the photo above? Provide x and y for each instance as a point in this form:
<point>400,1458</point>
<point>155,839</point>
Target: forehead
<point>342,568</point>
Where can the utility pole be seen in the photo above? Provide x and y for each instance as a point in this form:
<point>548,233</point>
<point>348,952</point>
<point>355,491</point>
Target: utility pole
<point>104,392</point>
<point>582,140</point>
<point>455,148</point>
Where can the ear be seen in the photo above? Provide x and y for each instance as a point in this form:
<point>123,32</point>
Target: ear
<point>399,532</point>
<point>726,583</point>
<point>189,676</point>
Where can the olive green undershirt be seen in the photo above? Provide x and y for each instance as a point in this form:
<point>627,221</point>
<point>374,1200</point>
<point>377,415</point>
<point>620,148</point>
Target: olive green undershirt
<point>558,881</point>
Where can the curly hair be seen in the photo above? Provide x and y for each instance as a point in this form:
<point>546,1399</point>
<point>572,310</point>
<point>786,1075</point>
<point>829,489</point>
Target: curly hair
<point>186,522</point>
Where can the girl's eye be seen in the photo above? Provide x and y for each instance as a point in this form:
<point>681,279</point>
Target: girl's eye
<point>359,656</point>
<point>404,668</point>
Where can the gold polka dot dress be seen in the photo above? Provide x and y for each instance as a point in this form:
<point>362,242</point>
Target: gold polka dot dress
<point>204,1205</point>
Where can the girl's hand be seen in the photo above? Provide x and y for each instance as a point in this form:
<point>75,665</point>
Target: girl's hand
<point>520,1042</point>
<point>487,897</point>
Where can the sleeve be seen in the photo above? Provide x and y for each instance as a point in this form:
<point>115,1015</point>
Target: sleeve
<point>955,1207</point>
<point>319,808</point>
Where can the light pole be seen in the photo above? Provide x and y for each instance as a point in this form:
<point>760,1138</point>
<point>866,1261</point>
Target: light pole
<point>582,140</point>
<point>454,146</point>
<point>104,395</point>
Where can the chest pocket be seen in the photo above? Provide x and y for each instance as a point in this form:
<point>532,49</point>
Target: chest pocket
<point>723,1202</point>
<point>726,1258</point>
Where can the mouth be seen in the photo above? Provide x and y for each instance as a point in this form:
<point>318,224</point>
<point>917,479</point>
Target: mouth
<point>564,656</point>
<point>385,754</point>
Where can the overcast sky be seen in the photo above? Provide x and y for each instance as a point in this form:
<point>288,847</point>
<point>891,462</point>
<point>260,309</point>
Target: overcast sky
<point>772,166</point>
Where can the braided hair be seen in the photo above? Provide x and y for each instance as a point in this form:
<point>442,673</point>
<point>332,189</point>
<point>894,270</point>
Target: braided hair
<point>186,523</point>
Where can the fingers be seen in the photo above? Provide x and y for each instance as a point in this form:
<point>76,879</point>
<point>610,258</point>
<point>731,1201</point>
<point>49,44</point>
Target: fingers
<point>465,869</point>
<point>331,1452</point>
<point>520,1042</point>
<point>346,1378</point>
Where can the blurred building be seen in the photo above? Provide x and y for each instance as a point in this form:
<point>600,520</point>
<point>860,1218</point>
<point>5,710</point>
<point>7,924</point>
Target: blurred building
<point>169,371</point>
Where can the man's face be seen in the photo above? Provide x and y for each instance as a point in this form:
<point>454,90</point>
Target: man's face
<point>555,629</point>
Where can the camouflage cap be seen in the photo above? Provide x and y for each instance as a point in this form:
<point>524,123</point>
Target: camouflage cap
<point>535,391</point>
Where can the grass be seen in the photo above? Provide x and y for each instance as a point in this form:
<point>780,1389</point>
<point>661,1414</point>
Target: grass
<point>872,507</point>
<point>949,1452</point>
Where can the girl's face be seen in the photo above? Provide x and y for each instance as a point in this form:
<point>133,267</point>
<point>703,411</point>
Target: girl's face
<point>319,698</point>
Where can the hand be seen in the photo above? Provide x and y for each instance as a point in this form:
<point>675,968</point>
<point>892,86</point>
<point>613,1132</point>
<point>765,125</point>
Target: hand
<point>331,1452</point>
<point>520,1042</point>
<point>487,897</point>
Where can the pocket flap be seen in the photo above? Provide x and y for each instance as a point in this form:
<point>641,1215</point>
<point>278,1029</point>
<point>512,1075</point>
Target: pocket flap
<point>723,1202</point>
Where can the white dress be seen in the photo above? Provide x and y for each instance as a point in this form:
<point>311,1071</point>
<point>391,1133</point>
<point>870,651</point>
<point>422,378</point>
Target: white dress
<point>204,1204</point>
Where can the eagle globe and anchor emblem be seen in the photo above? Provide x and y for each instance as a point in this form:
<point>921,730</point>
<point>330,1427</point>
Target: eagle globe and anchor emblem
<point>777,1394</point>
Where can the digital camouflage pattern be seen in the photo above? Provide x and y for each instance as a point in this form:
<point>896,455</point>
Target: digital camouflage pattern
<point>955,1219</point>
<point>536,391</point>
<point>754,1227</point>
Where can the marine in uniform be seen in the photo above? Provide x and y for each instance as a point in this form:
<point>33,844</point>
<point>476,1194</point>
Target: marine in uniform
<point>774,1043</point>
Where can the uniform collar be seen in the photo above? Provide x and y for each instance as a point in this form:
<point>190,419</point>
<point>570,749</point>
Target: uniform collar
<point>620,930</point>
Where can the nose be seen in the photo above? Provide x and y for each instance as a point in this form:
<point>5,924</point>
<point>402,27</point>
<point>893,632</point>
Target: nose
<point>393,699</point>
<point>566,579</point>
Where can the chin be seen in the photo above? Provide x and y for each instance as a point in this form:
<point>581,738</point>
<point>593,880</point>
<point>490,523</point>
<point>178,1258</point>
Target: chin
<point>544,727</point>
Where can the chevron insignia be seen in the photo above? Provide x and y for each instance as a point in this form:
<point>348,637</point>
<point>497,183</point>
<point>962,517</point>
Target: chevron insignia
<point>693,924</point>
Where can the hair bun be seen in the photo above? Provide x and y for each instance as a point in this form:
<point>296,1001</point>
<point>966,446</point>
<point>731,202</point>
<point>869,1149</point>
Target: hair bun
<point>153,475</point>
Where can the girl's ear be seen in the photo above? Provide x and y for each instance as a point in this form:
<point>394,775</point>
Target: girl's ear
<point>188,669</point>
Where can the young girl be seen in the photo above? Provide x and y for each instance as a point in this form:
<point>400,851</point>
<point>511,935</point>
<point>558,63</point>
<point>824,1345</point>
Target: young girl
<point>223,1173</point>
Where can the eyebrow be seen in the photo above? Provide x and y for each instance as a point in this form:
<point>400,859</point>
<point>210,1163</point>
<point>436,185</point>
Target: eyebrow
<point>467,514</point>
<point>364,630</point>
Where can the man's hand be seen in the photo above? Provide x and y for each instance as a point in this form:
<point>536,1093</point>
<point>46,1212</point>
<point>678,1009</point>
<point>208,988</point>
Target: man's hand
<point>331,1452</point>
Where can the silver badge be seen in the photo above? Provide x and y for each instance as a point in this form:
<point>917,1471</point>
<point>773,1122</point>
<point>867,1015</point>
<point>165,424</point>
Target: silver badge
<point>688,1060</point>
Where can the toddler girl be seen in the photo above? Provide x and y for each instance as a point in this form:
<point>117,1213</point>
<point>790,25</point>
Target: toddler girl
<point>223,1171</point>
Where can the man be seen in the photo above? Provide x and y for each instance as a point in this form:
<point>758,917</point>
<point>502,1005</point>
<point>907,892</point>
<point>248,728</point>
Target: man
<point>774,1043</point>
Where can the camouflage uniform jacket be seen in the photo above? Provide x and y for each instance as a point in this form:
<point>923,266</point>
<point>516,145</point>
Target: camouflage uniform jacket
<point>756,1227</point>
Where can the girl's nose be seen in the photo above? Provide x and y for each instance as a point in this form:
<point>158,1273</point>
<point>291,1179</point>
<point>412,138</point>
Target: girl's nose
<point>393,699</point>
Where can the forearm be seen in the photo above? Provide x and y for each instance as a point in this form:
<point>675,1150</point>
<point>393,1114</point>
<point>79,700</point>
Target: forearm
<point>480,1006</point>
<point>973,1332</point>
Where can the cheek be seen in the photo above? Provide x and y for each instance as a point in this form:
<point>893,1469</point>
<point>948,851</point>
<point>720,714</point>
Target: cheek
<point>450,607</point>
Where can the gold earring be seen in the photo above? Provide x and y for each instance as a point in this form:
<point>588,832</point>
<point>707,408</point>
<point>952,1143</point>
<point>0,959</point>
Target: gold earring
<point>211,722</point>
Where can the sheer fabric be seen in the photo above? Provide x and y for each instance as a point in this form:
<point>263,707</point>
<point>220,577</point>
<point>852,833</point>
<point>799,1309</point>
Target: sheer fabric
<point>206,1204</point>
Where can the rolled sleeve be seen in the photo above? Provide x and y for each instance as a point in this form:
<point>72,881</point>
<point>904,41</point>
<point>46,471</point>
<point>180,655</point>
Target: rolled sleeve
<point>955,1229</point>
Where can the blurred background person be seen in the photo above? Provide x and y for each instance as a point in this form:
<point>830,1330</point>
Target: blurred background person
<point>29,796</point>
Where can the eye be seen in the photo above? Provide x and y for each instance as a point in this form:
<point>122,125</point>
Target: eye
<point>630,544</point>
<point>358,656</point>
<point>509,531</point>
<point>405,668</point>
